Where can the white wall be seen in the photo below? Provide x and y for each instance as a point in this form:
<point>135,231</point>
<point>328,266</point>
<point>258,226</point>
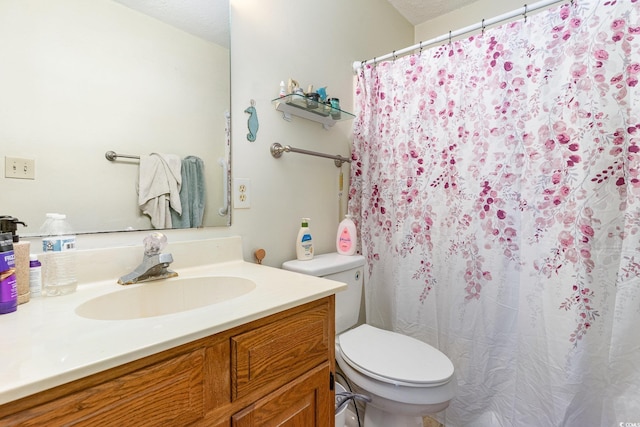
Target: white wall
<point>468,15</point>
<point>314,43</point>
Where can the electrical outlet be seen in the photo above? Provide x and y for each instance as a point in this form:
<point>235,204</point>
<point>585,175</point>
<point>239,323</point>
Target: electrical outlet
<point>15,167</point>
<point>241,193</point>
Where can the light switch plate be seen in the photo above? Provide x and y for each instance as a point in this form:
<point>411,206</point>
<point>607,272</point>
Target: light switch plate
<point>16,167</point>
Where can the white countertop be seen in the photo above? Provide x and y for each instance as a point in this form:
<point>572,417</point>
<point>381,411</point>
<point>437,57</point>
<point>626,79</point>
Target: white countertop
<point>46,344</point>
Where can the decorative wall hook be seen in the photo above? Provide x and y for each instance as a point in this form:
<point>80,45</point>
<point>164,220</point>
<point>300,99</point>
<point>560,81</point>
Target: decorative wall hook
<point>252,122</point>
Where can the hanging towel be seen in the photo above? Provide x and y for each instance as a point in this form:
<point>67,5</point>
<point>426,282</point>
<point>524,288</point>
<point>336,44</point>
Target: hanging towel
<point>159,183</point>
<point>192,194</point>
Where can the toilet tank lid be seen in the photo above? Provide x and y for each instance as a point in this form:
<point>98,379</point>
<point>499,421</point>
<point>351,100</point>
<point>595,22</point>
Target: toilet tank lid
<point>325,264</point>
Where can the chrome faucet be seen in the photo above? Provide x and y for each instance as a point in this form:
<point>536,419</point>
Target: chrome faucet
<point>154,264</point>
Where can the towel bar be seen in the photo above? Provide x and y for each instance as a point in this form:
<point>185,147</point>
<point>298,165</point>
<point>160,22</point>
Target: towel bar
<point>112,156</point>
<point>277,149</point>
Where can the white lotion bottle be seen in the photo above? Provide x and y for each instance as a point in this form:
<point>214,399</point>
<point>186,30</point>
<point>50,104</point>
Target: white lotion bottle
<point>346,238</point>
<point>304,242</point>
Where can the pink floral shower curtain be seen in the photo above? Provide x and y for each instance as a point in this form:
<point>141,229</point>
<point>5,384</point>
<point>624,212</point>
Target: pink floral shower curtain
<point>496,185</point>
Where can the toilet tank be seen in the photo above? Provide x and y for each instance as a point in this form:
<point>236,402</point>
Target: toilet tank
<point>342,268</point>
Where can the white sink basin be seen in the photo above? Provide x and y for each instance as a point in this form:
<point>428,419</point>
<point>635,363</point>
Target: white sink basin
<point>158,298</point>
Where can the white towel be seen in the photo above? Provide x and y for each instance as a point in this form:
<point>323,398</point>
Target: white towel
<point>159,182</point>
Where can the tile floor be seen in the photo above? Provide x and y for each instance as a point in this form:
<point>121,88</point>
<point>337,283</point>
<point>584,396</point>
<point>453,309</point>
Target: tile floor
<point>352,422</point>
<point>430,422</point>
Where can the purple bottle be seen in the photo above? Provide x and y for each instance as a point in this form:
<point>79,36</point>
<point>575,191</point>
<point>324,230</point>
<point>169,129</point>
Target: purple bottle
<point>8,285</point>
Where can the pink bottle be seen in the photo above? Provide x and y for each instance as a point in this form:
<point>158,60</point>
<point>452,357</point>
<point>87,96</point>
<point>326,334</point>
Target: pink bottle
<point>346,238</point>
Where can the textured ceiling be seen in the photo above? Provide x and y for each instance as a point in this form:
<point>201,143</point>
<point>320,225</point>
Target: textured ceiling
<point>419,11</point>
<point>207,19</point>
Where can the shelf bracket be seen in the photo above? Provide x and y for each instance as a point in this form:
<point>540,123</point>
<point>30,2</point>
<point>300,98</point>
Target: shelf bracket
<point>287,116</point>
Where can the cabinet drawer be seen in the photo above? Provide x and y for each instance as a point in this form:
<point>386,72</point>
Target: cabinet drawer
<point>274,354</point>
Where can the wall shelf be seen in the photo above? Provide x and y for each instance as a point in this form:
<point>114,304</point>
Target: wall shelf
<point>299,105</point>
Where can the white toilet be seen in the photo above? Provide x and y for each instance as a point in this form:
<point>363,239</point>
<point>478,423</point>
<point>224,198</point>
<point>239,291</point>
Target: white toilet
<point>405,378</point>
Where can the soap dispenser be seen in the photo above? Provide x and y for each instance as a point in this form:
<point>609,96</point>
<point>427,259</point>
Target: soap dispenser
<point>8,286</point>
<point>304,242</point>
<point>9,224</point>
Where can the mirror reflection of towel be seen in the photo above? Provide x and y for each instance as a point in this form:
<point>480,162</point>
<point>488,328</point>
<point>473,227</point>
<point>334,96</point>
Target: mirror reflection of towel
<point>159,183</point>
<point>192,194</point>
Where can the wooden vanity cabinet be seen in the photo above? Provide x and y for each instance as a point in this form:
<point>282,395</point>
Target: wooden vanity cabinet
<point>305,402</point>
<point>275,371</point>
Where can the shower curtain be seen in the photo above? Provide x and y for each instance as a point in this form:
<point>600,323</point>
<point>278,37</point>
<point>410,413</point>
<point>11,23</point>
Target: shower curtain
<point>495,182</point>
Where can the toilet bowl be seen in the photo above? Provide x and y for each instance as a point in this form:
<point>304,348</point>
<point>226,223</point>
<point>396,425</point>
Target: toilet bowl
<point>405,377</point>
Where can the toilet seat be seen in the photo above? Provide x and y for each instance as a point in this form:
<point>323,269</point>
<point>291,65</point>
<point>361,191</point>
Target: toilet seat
<point>394,358</point>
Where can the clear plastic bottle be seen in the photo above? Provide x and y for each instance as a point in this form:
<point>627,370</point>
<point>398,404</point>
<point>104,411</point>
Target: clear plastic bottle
<point>283,91</point>
<point>59,263</point>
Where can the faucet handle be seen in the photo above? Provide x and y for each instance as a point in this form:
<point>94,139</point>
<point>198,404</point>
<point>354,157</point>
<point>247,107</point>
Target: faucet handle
<point>154,243</point>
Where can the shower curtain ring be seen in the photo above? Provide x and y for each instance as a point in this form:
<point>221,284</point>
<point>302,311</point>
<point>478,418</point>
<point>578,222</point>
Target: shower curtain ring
<point>525,13</point>
<point>420,53</point>
<point>483,26</point>
<point>449,37</point>
<point>394,56</point>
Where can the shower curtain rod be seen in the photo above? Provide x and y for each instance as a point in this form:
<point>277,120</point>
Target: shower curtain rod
<point>451,34</point>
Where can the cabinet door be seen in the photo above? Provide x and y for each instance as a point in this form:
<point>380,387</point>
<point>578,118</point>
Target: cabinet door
<point>307,401</point>
<point>168,393</point>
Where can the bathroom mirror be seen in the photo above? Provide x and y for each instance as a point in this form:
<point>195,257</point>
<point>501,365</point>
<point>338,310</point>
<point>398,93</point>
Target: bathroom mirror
<point>81,78</point>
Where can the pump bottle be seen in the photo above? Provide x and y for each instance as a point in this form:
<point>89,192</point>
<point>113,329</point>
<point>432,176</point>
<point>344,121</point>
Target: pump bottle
<point>304,242</point>
<point>8,285</point>
<point>21,253</point>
